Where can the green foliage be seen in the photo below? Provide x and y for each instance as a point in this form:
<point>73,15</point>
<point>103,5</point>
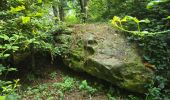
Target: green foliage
<point>66,85</point>
<point>155,2</point>
<point>96,10</point>
<point>53,75</point>
<point>71,17</point>
<point>50,90</point>
<point>110,97</point>
<point>25,20</point>
<point>28,27</point>
<point>24,27</point>
<point>118,23</point>
<point>154,45</point>
<point>84,86</point>
<point>8,90</point>
<point>17,9</point>
<point>30,77</point>
<point>105,9</point>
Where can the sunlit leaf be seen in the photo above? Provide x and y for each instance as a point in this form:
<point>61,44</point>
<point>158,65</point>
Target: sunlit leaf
<point>115,18</point>
<point>168,17</point>
<point>17,9</point>
<point>136,20</point>
<point>4,36</point>
<point>39,1</point>
<point>124,19</point>
<point>2,97</point>
<point>25,19</point>
<point>39,14</point>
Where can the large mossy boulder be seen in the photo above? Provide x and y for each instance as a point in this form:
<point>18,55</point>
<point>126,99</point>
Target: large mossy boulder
<point>100,51</point>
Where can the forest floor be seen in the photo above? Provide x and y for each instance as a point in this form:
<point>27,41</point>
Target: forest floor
<point>58,82</point>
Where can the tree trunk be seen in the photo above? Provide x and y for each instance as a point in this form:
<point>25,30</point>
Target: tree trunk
<point>56,13</point>
<point>58,10</point>
<point>61,10</point>
<point>83,10</point>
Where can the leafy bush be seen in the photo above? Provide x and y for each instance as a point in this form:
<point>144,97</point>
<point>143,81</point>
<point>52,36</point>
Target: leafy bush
<point>25,26</point>
<point>156,53</point>
<point>100,10</point>
<point>84,86</point>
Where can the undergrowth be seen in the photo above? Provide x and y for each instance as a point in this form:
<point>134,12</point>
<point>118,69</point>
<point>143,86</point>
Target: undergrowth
<point>154,47</point>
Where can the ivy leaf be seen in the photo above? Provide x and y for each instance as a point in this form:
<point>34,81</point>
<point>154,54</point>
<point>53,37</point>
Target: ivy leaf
<point>25,19</point>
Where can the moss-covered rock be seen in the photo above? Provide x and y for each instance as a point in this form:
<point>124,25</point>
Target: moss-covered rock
<point>100,51</point>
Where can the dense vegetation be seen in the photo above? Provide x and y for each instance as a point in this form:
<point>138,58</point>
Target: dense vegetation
<point>27,27</point>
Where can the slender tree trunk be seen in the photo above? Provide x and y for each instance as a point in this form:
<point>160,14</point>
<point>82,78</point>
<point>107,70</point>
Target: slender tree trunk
<point>56,13</point>
<point>58,10</point>
<point>61,10</point>
<point>83,10</point>
<point>81,6</point>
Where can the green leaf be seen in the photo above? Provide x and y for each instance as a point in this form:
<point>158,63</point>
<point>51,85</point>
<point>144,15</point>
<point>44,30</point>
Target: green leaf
<point>136,20</point>
<point>39,14</point>
<point>2,68</point>
<point>168,17</point>
<point>146,57</point>
<point>155,2</point>
<point>145,21</point>
<point>39,1</point>
<point>15,48</point>
<point>116,18</point>
<point>2,97</point>
<point>8,46</point>
<point>12,69</point>
<point>6,55</point>
<point>17,9</point>
<point>4,36</point>
<point>25,19</point>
